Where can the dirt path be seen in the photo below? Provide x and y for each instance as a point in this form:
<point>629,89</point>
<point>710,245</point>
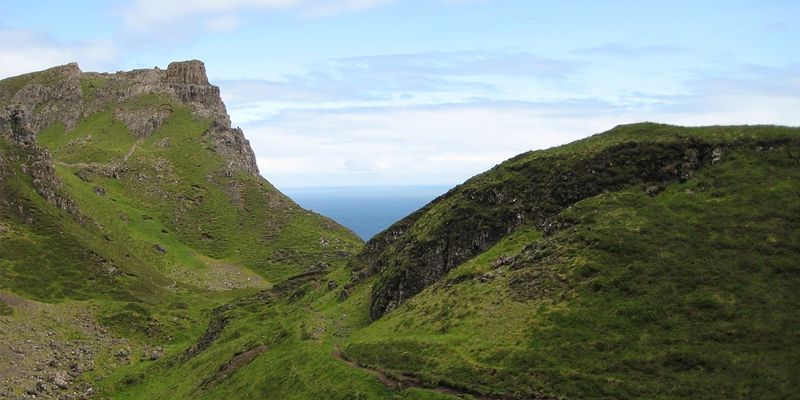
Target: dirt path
<point>48,351</point>
<point>405,381</point>
<point>80,165</point>
<point>132,149</point>
<point>111,165</point>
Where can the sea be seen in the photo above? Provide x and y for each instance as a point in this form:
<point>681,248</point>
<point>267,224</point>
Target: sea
<point>366,210</point>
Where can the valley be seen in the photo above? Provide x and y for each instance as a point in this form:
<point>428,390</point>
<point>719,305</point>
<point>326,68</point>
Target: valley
<point>143,256</point>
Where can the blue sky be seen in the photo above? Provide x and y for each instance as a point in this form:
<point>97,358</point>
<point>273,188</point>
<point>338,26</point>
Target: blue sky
<point>393,92</point>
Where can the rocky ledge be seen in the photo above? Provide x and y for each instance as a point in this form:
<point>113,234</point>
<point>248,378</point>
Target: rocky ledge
<point>65,95</point>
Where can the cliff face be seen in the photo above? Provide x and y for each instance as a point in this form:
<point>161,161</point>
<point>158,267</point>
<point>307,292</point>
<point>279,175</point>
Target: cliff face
<point>22,155</point>
<point>162,142</point>
<point>532,188</point>
<point>65,95</point>
<point>48,97</point>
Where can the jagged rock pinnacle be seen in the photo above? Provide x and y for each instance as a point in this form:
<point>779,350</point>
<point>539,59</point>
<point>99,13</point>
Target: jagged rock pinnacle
<point>65,94</point>
<point>191,72</point>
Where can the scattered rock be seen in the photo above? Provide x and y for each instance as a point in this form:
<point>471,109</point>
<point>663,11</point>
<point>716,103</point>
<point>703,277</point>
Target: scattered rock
<point>345,293</point>
<point>654,190</point>
<point>156,354</point>
<point>716,155</point>
<point>486,277</point>
<point>159,249</point>
<point>319,267</point>
<point>76,368</point>
<point>61,379</point>
<point>99,191</point>
<point>501,261</point>
<point>123,352</point>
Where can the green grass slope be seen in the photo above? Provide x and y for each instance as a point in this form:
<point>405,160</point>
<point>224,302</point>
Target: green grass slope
<point>650,261</point>
<point>145,234</point>
<point>233,285</point>
<point>690,291</point>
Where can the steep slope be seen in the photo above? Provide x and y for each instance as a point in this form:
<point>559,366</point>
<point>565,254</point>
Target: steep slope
<point>143,257</point>
<point>129,199</point>
<point>648,261</point>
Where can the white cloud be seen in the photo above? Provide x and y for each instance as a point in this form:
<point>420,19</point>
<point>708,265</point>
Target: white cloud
<point>400,80</point>
<point>299,165</point>
<point>435,143</point>
<point>23,51</point>
<point>617,49</point>
<point>223,23</point>
<point>147,15</point>
<point>456,157</point>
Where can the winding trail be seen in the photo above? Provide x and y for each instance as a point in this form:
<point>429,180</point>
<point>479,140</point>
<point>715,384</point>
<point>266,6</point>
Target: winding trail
<point>132,149</point>
<point>111,165</point>
<point>405,381</point>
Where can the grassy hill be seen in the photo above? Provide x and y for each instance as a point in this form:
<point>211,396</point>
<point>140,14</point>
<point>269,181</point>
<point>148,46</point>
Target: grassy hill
<point>147,232</point>
<point>142,256</point>
<point>650,261</point>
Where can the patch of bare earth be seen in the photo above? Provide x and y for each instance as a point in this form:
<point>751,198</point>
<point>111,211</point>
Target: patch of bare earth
<point>47,351</point>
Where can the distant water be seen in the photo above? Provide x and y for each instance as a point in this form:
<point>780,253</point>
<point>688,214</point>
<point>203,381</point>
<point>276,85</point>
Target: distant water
<point>366,210</point>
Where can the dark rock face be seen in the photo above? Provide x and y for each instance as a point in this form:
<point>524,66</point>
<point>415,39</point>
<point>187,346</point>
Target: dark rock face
<point>191,72</point>
<point>188,83</point>
<point>54,96</point>
<point>219,320</point>
<point>32,160</point>
<point>142,123</point>
<point>234,148</point>
<point>472,217</point>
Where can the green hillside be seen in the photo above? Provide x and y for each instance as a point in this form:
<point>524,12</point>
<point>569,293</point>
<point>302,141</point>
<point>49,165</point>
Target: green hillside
<point>145,234</point>
<point>142,256</point>
<point>650,261</point>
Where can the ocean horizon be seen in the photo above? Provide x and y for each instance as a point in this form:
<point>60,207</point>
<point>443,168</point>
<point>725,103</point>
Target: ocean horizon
<point>366,210</point>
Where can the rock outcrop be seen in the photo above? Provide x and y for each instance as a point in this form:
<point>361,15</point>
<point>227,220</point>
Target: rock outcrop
<point>51,96</point>
<point>472,217</point>
<point>31,159</point>
<point>191,72</point>
<point>64,95</point>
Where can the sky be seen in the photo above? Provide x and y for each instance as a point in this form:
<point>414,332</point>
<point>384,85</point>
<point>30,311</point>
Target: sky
<point>431,92</point>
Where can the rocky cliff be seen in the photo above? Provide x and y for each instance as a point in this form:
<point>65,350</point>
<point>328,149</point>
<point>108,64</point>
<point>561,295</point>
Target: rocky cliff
<point>65,95</point>
<point>22,155</point>
<point>532,188</point>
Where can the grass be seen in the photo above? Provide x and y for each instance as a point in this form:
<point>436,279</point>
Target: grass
<point>5,309</point>
<point>623,303</point>
<point>553,274</point>
<point>164,215</point>
<point>99,138</point>
<point>689,294</point>
<point>535,187</point>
